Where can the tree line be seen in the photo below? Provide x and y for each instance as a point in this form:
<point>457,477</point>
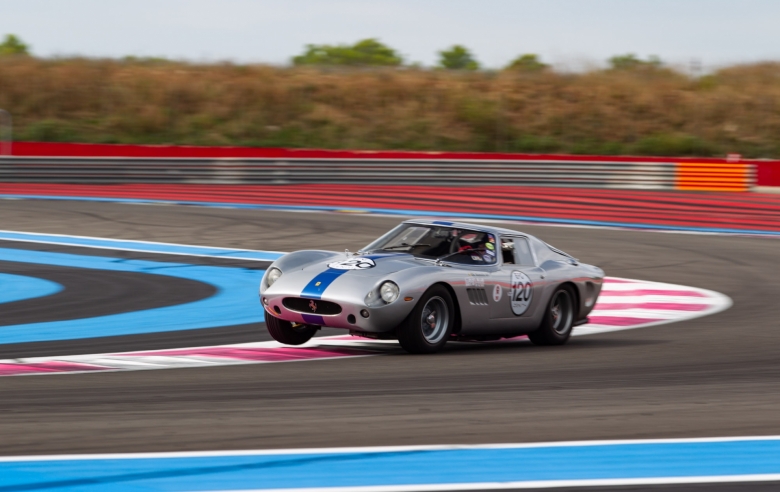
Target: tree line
<point>373,53</point>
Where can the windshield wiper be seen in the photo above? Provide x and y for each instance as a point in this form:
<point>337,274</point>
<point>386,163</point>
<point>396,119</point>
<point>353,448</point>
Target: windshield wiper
<point>439,259</point>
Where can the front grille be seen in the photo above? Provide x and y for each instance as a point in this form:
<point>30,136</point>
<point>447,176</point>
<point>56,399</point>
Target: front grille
<point>311,306</point>
<point>477,296</point>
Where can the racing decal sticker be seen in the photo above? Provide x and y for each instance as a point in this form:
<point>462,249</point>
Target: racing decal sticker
<point>490,246</point>
<point>497,291</point>
<point>475,281</point>
<point>353,264</point>
<point>522,293</point>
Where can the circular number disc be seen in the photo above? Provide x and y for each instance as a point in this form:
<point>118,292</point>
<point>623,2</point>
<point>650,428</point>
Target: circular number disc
<point>522,292</point>
<point>353,264</point>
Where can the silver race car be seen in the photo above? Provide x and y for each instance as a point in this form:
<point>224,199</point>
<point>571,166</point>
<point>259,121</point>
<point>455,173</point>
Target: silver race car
<point>429,281</point>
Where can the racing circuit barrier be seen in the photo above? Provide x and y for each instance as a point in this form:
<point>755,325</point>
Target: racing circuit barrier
<point>100,164</point>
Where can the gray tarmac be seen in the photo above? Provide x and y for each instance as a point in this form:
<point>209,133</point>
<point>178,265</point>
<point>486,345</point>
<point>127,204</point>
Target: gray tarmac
<point>713,376</point>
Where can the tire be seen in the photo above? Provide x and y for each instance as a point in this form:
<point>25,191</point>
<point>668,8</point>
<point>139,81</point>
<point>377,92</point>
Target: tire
<point>430,323</point>
<point>558,319</point>
<point>284,332</point>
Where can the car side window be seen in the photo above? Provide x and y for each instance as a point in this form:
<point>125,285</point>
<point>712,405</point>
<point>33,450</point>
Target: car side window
<point>507,251</point>
<point>522,249</point>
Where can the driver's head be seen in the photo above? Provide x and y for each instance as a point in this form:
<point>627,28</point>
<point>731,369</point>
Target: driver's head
<point>469,240</point>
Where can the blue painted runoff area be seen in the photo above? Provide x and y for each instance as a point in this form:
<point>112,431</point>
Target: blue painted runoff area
<point>409,213</point>
<point>20,287</point>
<point>236,301</point>
<point>396,467</point>
<point>142,246</point>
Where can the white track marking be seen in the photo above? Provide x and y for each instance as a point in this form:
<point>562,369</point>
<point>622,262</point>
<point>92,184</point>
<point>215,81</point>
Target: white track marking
<point>384,449</point>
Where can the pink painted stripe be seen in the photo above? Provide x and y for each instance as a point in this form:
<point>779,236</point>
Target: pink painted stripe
<point>652,292</point>
<point>666,306</point>
<point>348,337</point>
<point>620,320</point>
<point>47,367</point>
<point>256,354</point>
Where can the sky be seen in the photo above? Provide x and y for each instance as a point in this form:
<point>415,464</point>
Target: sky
<point>571,34</point>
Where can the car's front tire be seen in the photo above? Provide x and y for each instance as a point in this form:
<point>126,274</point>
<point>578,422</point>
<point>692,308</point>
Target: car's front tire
<point>558,320</point>
<point>288,333</point>
<point>430,323</point>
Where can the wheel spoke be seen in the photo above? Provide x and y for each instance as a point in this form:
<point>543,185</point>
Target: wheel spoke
<point>561,312</point>
<point>434,320</point>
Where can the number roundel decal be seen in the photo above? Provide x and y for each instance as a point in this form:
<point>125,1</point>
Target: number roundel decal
<point>522,292</point>
<point>353,264</point>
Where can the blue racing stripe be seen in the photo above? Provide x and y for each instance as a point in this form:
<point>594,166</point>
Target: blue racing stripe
<point>318,284</point>
<point>313,319</point>
<point>402,467</point>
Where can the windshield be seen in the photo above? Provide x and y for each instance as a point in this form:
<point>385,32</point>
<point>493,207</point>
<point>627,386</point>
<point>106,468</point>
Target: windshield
<point>432,242</point>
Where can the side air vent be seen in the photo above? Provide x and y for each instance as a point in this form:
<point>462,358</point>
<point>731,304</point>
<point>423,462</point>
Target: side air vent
<point>477,296</point>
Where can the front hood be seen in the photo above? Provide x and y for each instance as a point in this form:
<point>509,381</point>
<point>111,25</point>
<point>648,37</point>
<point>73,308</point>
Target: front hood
<point>338,273</point>
<point>366,265</point>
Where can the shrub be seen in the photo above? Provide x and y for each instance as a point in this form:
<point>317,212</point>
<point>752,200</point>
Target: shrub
<point>368,52</point>
<point>457,58</point>
<point>527,63</point>
<point>12,45</point>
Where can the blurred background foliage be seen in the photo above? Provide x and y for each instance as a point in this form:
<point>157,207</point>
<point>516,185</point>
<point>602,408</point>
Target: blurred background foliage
<point>364,97</point>
<point>12,45</point>
<point>457,57</point>
<point>365,53</point>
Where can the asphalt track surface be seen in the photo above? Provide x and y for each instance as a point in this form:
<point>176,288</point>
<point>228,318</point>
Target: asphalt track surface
<point>712,376</point>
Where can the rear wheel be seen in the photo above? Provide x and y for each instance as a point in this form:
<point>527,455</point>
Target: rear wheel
<point>558,321</point>
<point>430,323</point>
<point>289,333</point>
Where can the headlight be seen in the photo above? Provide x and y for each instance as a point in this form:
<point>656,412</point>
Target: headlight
<point>272,276</point>
<point>389,292</point>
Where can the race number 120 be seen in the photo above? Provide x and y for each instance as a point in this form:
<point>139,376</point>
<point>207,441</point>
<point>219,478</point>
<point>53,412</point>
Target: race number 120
<point>522,292</point>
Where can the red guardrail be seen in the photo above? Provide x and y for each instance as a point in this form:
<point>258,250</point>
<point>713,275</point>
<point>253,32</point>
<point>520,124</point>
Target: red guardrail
<point>634,208</point>
<point>767,173</point>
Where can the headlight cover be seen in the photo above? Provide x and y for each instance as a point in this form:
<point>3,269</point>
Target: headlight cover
<point>389,291</point>
<point>272,276</point>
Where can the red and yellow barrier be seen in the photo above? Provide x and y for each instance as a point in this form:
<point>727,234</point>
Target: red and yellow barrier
<point>712,176</point>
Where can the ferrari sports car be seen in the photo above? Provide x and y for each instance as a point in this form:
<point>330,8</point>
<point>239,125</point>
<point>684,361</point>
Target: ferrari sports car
<point>429,281</point>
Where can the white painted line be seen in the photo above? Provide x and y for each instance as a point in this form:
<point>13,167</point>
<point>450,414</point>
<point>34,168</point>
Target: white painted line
<point>137,250</point>
<point>153,243</point>
<point>384,449</point>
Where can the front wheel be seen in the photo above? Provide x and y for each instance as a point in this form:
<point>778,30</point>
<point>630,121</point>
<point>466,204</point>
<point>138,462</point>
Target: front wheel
<point>288,333</point>
<point>430,323</point>
<point>558,321</point>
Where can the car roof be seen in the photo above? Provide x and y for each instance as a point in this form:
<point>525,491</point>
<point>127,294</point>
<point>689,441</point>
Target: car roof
<point>466,225</point>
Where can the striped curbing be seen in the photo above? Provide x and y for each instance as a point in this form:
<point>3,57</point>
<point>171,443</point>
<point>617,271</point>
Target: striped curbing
<point>624,304</point>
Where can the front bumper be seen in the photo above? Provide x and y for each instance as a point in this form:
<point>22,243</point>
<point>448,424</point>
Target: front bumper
<point>380,319</point>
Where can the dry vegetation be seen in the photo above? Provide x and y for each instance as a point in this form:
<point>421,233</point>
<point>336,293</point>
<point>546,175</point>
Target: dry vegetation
<point>643,111</point>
